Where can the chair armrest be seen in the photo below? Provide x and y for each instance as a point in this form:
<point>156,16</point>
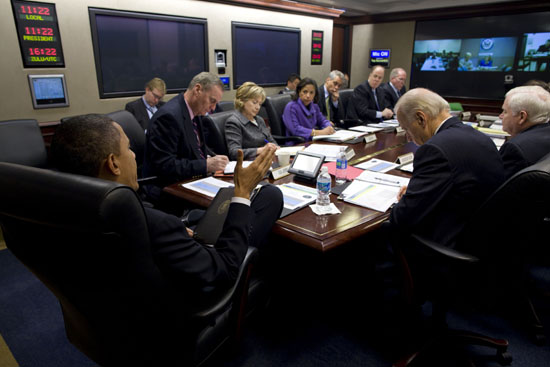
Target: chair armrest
<point>285,139</point>
<point>445,251</point>
<point>222,301</point>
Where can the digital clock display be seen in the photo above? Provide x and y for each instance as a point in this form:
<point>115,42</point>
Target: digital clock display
<point>38,34</point>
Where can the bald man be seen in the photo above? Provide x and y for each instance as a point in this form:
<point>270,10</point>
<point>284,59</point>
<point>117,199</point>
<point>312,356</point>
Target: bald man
<point>367,102</point>
<point>525,114</point>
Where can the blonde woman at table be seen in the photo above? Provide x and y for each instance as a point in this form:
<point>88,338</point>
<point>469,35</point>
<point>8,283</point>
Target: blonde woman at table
<point>244,129</point>
<point>302,115</point>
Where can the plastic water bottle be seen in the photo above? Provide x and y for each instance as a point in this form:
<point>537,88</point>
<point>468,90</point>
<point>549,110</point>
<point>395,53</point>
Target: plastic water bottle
<point>341,167</point>
<point>323,189</point>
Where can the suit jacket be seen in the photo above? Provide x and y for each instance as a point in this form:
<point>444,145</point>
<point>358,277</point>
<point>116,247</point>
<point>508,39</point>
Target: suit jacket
<point>526,148</point>
<point>336,113</point>
<point>389,94</point>
<point>243,134</point>
<point>454,172</point>
<point>191,265</point>
<point>137,108</point>
<point>363,105</point>
<point>172,152</point>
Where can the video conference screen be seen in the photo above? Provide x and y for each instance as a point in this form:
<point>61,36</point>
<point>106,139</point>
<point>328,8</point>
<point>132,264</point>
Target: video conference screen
<point>263,54</point>
<point>470,57</point>
<point>132,48</point>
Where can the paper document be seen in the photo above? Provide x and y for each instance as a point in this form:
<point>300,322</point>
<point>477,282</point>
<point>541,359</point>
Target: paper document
<point>340,136</point>
<point>383,179</point>
<point>493,133</point>
<point>297,196</point>
<point>366,129</point>
<point>371,195</point>
<point>329,151</point>
<point>406,167</point>
<point>290,150</point>
<point>208,186</point>
<point>230,168</point>
<point>377,165</point>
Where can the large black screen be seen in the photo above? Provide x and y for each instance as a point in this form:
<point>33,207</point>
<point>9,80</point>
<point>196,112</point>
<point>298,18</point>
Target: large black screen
<point>132,48</point>
<point>266,55</point>
<point>472,57</point>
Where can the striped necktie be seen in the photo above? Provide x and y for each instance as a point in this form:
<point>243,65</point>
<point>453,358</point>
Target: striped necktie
<point>196,129</point>
<point>328,107</point>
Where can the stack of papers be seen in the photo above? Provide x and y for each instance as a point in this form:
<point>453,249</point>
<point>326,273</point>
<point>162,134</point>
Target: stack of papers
<point>494,133</point>
<point>340,136</point>
<point>208,186</point>
<point>230,168</point>
<point>366,129</point>
<point>377,165</point>
<point>329,151</point>
<point>296,196</point>
<point>290,150</point>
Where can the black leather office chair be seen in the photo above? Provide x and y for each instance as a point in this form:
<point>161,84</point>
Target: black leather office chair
<point>489,257</point>
<point>87,240</point>
<point>275,106</point>
<point>345,97</point>
<point>214,131</point>
<point>21,142</point>
<point>134,132</point>
<point>226,105</point>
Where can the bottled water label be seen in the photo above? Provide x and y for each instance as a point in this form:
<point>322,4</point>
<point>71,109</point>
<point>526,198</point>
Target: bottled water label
<point>323,186</point>
<point>341,164</point>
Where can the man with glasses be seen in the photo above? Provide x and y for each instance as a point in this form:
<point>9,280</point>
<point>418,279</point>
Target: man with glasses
<point>329,97</point>
<point>145,107</point>
<point>395,88</point>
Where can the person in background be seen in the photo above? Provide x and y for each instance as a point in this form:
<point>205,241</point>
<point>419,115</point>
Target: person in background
<point>368,103</point>
<point>291,83</point>
<point>465,64</point>
<point>175,147</point>
<point>525,115</point>
<point>329,97</point>
<point>540,83</point>
<point>96,146</point>
<point>302,116</point>
<point>395,88</point>
<point>244,129</point>
<point>145,107</point>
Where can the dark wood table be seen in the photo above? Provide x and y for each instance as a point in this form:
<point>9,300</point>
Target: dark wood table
<point>327,232</point>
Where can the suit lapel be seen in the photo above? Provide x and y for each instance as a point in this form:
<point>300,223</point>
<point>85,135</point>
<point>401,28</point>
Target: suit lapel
<point>189,130</point>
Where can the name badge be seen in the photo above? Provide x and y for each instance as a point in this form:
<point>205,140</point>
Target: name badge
<point>399,130</point>
<point>280,172</point>
<point>405,158</point>
<point>370,138</point>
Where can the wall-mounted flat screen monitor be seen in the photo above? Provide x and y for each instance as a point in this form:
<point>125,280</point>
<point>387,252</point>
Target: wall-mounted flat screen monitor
<point>481,57</point>
<point>265,55</point>
<point>48,91</point>
<point>132,48</point>
<point>379,57</point>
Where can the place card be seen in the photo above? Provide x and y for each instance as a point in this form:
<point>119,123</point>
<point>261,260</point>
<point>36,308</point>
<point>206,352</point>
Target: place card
<point>370,138</point>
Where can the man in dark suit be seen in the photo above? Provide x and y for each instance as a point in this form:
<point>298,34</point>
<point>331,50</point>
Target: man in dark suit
<point>455,169</point>
<point>190,265</point>
<point>395,88</point>
<point>175,147</point>
<point>525,114</point>
<point>368,103</point>
<point>145,107</point>
<point>329,97</point>
<point>291,84</point>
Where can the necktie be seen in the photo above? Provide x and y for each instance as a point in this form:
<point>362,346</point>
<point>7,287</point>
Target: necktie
<point>328,107</point>
<point>376,99</point>
<point>196,129</point>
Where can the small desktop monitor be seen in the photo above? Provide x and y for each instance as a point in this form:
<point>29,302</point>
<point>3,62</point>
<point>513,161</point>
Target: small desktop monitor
<point>379,57</point>
<point>48,91</point>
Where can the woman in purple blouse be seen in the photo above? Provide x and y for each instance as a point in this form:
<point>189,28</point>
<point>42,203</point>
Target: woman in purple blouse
<point>302,116</point>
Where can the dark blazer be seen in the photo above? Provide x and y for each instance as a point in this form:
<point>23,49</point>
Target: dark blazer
<point>336,113</point>
<point>137,108</point>
<point>240,133</point>
<point>171,149</point>
<point>389,94</point>
<point>363,105</point>
<point>188,263</point>
<point>526,148</point>
<point>454,172</point>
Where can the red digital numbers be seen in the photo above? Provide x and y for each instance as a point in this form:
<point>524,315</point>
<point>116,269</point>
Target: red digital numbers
<point>40,10</point>
<point>42,51</point>
<point>41,31</point>
<point>316,57</point>
<point>317,45</point>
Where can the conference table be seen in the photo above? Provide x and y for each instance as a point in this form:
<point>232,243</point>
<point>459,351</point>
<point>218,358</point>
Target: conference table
<point>327,232</point>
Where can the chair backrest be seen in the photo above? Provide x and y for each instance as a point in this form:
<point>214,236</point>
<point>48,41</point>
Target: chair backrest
<point>87,240</point>
<point>214,131</point>
<point>135,133</point>
<point>275,106</point>
<point>226,105</point>
<point>21,142</point>
<point>345,97</point>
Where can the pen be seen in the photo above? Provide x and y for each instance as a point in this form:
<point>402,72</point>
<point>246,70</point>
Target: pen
<point>266,141</point>
<point>390,181</point>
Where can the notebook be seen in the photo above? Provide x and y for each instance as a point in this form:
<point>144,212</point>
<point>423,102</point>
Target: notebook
<point>211,224</point>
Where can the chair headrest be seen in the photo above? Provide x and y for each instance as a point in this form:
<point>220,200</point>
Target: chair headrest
<point>21,142</point>
<point>133,131</point>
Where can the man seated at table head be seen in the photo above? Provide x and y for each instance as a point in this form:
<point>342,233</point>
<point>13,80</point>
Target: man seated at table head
<point>145,107</point>
<point>329,96</point>
<point>175,147</point>
<point>96,146</point>
<point>455,169</point>
<point>367,102</point>
<point>525,114</point>
<point>395,88</point>
<point>291,84</point>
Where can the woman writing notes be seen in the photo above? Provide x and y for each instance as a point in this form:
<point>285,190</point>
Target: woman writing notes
<point>302,116</point>
<point>244,130</point>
